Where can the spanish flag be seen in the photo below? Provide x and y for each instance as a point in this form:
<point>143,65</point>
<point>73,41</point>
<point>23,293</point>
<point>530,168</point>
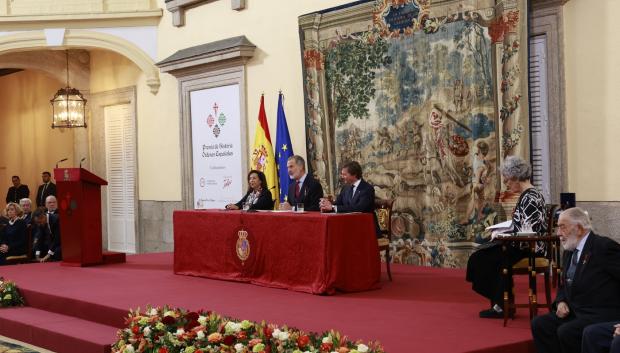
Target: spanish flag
<point>262,158</point>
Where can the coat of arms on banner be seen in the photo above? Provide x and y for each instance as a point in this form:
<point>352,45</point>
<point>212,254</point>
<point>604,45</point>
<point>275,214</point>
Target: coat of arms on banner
<point>243,246</point>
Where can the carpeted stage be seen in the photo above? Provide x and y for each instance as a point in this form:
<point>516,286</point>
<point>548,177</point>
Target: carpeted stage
<point>74,309</point>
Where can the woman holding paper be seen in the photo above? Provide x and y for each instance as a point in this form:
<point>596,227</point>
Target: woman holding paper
<point>484,265</point>
<point>258,196</point>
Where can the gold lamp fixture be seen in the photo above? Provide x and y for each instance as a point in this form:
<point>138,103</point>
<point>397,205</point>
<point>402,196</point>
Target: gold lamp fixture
<point>68,106</point>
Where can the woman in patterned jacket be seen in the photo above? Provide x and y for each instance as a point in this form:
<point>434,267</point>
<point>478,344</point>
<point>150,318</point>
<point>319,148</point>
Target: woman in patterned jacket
<point>484,265</point>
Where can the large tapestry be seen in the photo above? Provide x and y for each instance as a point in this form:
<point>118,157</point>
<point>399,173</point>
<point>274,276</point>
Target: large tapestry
<point>428,96</point>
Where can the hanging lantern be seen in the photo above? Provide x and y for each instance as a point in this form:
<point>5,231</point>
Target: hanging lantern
<point>68,106</point>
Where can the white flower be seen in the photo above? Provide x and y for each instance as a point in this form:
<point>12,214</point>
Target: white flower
<point>152,312</point>
<point>232,327</point>
<point>200,335</point>
<point>147,331</point>
<point>281,335</point>
<point>170,313</point>
<point>239,347</point>
<point>129,349</point>
<point>362,348</point>
<point>202,320</point>
<point>180,332</point>
<point>327,339</point>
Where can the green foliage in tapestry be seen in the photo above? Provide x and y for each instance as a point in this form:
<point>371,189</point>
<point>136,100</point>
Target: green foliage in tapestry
<point>350,66</point>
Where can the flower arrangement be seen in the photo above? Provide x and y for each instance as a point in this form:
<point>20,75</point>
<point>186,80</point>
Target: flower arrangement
<point>168,330</point>
<point>9,294</point>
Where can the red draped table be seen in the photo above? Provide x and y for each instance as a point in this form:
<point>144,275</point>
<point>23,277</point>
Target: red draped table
<point>308,252</point>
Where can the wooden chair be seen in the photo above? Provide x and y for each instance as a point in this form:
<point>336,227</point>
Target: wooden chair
<point>532,265</point>
<point>22,259</point>
<point>383,211</point>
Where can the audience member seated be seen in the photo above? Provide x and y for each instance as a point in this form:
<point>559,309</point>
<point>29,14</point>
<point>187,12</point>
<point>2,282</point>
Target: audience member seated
<point>51,204</point>
<point>46,189</point>
<point>26,206</point>
<point>592,286</point>
<point>258,196</point>
<point>18,191</point>
<point>485,264</point>
<point>46,236</point>
<point>13,236</point>
<point>601,338</point>
<point>304,189</point>
<point>357,195</point>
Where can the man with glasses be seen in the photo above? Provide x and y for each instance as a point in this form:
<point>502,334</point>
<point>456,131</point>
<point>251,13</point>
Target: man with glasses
<point>591,286</point>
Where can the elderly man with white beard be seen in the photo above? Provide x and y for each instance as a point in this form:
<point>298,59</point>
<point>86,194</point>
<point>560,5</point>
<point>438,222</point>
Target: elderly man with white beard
<point>591,290</point>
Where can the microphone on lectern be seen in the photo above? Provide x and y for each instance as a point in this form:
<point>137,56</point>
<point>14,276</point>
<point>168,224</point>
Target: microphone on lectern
<point>82,160</point>
<point>60,161</point>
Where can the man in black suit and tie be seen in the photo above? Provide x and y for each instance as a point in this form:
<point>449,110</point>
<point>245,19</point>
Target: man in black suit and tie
<point>591,290</point>
<point>46,189</point>
<point>18,191</point>
<point>356,196</point>
<point>304,188</point>
<point>601,338</point>
<point>46,236</point>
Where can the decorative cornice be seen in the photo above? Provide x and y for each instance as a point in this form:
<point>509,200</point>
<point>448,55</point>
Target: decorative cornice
<point>538,4</point>
<point>178,8</point>
<point>236,48</point>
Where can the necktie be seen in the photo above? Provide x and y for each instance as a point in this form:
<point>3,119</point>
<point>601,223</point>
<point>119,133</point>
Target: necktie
<point>297,190</point>
<point>572,267</point>
<point>43,194</point>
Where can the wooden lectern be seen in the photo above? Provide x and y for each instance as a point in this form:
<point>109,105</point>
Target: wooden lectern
<point>79,206</point>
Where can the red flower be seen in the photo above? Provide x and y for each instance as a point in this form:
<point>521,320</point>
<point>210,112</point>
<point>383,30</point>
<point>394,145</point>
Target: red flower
<point>326,347</point>
<point>191,324</point>
<point>229,340</point>
<point>192,316</point>
<point>303,341</point>
<point>135,330</point>
<point>242,335</point>
<point>162,350</point>
<point>268,332</point>
<point>168,320</point>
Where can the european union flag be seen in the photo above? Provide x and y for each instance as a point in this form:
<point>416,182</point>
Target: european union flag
<point>284,149</point>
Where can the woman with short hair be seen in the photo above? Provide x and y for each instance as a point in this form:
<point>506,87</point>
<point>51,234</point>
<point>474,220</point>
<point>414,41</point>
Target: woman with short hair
<point>484,265</point>
<point>13,235</point>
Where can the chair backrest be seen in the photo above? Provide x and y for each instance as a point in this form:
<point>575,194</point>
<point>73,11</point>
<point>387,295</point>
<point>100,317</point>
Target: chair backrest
<point>551,222</point>
<point>383,210</point>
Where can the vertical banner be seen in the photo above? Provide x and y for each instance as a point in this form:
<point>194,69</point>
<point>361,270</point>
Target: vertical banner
<point>216,146</point>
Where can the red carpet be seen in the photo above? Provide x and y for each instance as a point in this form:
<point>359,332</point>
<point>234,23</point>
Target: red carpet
<point>74,309</point>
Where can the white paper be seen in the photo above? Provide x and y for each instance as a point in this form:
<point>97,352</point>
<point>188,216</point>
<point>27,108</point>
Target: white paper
<point>503,225</point>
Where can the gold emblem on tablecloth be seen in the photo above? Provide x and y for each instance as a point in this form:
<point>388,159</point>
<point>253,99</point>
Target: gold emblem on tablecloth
<point>243,246</point>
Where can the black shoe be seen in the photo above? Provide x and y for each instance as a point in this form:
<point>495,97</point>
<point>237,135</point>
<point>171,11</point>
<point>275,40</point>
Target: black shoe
<point>491,314</point>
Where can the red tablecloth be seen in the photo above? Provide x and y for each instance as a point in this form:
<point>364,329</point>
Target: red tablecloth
<point>308,252</point>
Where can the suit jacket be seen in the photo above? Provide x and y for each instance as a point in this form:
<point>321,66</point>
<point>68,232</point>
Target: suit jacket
<point>595,289</point>
<point>264,202</point>
<point>41,196</point>
<point>310,194</point>
<point>47,237</point>
<point>362,201</point>
<point>14,235</point>
<point>17,193</point>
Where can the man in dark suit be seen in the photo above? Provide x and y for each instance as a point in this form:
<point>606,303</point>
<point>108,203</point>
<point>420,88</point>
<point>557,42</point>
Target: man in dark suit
<point>304,188</point>
<point>592,286</point>
<point>46,236</point>
<point>26,206</point>
<point>601,338</point>
<point>46,189</point>
<point>356,196</point>
<point>18,191</point>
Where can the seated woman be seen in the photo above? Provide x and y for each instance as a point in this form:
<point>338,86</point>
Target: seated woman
<point>484,265</point>
<point>13,235</point>
<point>258,196</point>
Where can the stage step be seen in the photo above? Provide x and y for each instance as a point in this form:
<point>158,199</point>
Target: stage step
<point>56,332</point>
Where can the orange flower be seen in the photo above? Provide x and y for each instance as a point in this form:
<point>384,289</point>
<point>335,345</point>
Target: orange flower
<point>214,337</point>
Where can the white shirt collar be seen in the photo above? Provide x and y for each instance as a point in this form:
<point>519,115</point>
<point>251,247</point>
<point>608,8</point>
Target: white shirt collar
<point>581,244</point>
<point>356,184</point>
<point>301,180</point>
